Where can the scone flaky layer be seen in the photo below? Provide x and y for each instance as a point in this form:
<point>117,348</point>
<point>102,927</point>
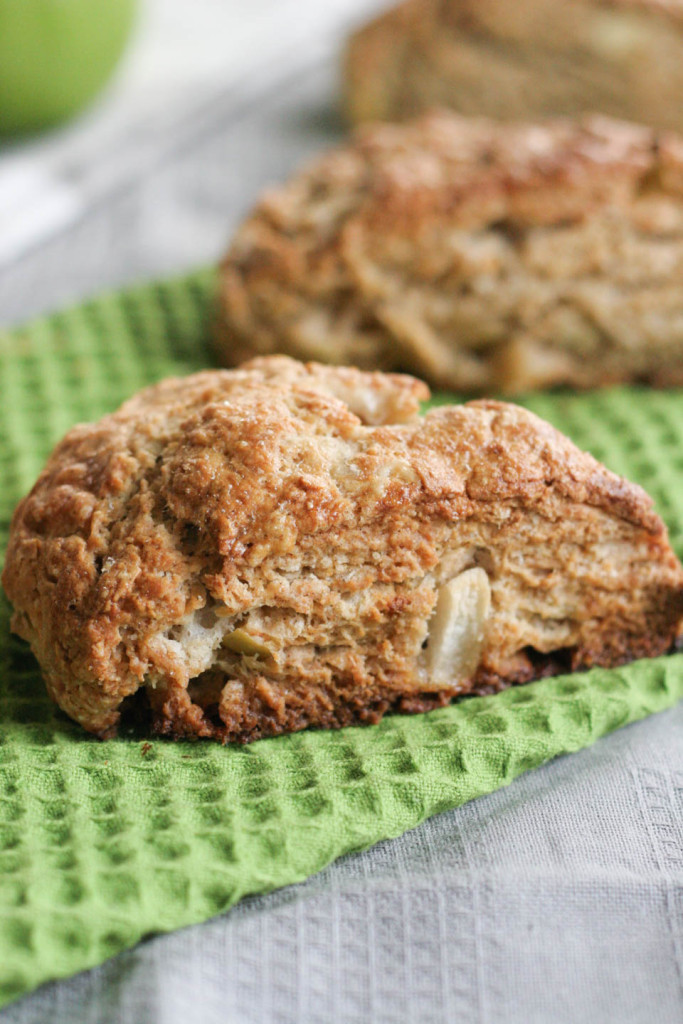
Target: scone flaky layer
<point>283,546</point>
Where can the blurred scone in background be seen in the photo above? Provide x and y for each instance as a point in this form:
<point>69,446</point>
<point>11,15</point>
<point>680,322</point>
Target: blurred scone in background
<point>521,59</point>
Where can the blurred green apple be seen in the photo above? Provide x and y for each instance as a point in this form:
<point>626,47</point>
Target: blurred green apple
<point>55,55</point>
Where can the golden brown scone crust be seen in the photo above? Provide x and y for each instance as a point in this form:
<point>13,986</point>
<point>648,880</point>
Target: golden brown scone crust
<point>312,508</point>
<point>520,60</point>
<point>483,257</point>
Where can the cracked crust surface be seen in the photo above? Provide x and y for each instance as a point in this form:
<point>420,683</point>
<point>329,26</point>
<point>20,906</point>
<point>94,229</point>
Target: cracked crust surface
<point>263,550</point>
<point>481,256</point>
<point>527,59</point>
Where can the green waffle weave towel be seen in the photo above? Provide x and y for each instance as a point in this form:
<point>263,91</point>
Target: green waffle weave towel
<point>104,843</point>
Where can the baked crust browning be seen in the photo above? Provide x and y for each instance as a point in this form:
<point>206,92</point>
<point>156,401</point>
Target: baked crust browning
<point>521,60</point>
<point>483,257</point>
<point>283,546</point>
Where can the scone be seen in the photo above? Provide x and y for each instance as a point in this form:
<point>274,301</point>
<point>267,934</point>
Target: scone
<point>483,257</point>
<point>283,546</point>
<point>520,59</point>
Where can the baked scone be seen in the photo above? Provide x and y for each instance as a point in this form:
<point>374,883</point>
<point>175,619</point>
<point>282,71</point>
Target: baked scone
<point>483,257</point>
<point>520,59</point>
<point>284,546</point>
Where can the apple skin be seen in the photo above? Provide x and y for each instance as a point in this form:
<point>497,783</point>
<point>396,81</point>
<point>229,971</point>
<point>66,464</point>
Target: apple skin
<point>55,56</point>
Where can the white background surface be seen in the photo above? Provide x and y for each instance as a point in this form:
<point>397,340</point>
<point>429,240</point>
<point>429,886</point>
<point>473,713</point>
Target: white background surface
<point>152,178</point>
<point>559,899</point>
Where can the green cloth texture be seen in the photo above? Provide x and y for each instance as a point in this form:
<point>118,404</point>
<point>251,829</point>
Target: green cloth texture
<point>102,844</point>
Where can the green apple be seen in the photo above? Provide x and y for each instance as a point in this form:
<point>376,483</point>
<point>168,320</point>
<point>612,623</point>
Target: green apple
<point>55,55</point>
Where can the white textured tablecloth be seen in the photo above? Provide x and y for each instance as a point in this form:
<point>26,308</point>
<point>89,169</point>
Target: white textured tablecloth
<point>559,899</point>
